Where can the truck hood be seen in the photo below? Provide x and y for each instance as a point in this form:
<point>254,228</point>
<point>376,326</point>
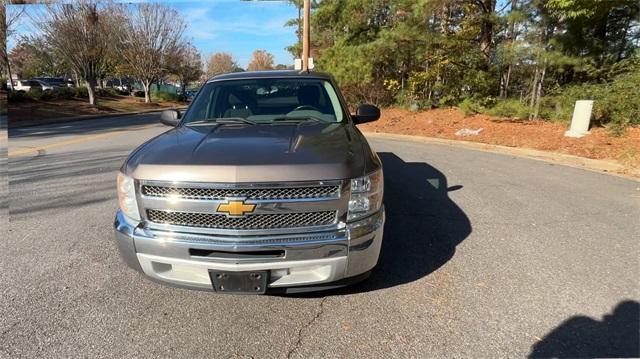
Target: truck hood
<point>248,153</point>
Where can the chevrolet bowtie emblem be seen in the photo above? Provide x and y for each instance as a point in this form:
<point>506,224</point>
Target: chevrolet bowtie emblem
<point>236,208</point>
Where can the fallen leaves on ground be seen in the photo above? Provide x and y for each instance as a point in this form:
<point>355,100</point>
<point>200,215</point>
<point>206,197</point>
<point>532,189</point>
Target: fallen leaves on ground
<point>538,135</point>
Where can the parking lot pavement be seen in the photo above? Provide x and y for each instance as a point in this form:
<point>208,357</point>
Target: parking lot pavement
<point>484,255</point>
<point>4,187</point>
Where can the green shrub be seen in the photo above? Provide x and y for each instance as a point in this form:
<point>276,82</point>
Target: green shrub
<point>65,93</point>
<point>509,108</point>
<point>560,105</point>
<point>618,109</point>
<point>613,107</point>
<point>62,93</point>
<point>38,94</point>
<point>448,100</point>
<point>164,96</point>
<point>549,108</point>
<point>80,92</point>
<point>615,104</point>
<point>107,92</point>
<point>403,98</point>
<point>3,83</point>
<point>471,106</point>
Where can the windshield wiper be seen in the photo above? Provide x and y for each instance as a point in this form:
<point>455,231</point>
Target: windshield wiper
<point>298,119</point>
<point>223,121</point>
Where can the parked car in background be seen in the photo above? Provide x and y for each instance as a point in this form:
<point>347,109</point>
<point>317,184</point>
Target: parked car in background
<point>45,85</point>
<point>31,84</point>
<point>188,94</point>
<point>55,81</point>
<point>124,87</point>
<point>24,85</point>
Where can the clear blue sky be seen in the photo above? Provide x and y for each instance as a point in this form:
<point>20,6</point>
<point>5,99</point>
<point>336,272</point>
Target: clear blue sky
<point>236,27</point>
<point>240,27</point>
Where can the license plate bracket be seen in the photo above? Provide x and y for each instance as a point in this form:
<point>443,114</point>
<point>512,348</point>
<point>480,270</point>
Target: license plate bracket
<point>227,282</point>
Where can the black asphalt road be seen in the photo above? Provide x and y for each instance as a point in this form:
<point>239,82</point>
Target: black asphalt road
<point>484,255</point>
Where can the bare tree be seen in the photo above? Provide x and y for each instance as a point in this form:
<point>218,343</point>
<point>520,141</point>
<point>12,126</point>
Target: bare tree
<point>221,63</point>
<point>9,20</point>
<point>152,37</point>
<point>262,60</point>
<point>81,34</point>
<point>188,66</point>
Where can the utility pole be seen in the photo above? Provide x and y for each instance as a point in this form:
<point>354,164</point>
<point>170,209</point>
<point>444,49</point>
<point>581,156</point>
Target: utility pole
<point>299,30</point>
<point>305,37</point>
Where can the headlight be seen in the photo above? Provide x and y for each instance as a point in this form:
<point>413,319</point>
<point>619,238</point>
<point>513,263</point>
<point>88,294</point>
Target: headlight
<point>127,197</point>
<point>366,195</point>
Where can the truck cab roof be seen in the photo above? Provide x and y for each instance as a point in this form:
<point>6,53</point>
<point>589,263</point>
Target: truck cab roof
<point>270,74</point>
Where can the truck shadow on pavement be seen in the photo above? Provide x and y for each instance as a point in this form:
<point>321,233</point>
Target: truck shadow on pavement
<point>423,225</point>
<point>616,336</point>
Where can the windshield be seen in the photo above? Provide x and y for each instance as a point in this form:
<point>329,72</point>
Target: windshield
<point>267,100</point>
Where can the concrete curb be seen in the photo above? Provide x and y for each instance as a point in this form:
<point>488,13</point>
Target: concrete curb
<point>50,121</point>
<point>609,167</point>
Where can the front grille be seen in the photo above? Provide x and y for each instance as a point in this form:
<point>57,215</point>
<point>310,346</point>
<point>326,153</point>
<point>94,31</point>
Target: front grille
<point>250,193</point>
<point>255,221</point>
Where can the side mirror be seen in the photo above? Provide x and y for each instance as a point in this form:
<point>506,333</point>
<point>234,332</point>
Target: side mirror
<point>170,117</point>
<point>366,113</point>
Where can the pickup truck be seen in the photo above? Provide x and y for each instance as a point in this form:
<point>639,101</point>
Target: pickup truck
<point>264,185</point>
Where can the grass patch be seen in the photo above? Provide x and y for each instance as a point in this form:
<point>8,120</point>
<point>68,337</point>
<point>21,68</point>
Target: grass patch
<point>165,96</point>
<point>120,105</point>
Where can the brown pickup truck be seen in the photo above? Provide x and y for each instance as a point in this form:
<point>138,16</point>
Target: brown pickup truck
<point>264,185</point>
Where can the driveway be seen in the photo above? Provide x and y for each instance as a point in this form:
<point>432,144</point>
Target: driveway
<point>484,255</point>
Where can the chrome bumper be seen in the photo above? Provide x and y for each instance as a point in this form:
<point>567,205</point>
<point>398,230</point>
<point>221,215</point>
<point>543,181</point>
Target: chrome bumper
<point>294,261</point>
